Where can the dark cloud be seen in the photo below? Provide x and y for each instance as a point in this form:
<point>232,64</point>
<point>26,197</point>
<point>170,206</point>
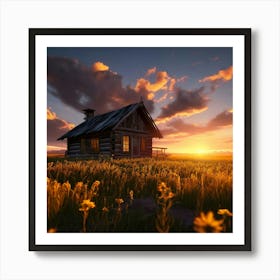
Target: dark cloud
<point>55,128</point>
<point>222,119</point>
<point>81,87</point>
<point>179,126</point>
<point>186,103</point>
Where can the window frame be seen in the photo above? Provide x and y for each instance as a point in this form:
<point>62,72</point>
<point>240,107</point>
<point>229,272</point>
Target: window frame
<point>87,146</point>
<point>125,144</point>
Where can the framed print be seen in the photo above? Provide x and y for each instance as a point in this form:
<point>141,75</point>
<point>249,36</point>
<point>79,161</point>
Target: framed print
<point>140,139</point>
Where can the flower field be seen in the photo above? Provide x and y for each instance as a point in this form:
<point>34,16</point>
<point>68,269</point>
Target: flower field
<point>139,195</point>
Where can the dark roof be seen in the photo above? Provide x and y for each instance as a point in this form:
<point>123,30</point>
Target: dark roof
<point>110,121</point>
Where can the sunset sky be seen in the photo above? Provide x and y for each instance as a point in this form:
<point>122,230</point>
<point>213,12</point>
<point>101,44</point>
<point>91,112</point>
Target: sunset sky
<point>188,92</point>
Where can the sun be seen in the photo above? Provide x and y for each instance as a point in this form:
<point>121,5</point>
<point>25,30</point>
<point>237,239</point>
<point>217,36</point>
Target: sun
<point>201,151</point>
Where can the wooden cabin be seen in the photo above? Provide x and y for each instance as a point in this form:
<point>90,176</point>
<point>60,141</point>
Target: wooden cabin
<point>126,132</point>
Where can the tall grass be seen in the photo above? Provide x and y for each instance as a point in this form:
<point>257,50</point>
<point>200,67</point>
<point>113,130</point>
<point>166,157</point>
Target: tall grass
<point>197,185</point>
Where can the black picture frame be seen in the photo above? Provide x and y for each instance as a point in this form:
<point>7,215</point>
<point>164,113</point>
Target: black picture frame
<point>244,34</point>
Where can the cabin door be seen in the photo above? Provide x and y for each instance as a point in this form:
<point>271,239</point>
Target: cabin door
<point>135,146</point>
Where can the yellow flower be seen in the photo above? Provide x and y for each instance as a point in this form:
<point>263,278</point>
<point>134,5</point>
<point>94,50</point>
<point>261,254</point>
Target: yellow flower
<point>225,212</point>
<point>96,184</point>
<point>131,193</point>
<point>207,223</point>
<point>170,195</point>
<point>119,200</point>
<point>79,185</point>
<point>105,209</point>
<point>161,187</point>
<point>86,205</point>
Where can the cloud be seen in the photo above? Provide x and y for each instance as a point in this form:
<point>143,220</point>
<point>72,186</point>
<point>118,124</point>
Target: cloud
<point>221,120</point>
<point>162,98</point>
<point>172,84</point>
<point>164,82</point>
<point>99,66</point>
<point>96,87</point>
<point>55,128</point>
<point>151,71</point>
<point>182,79</point>
<point>186,103</point>
<point>177,126</point>
<point>56,149</point>
<point>162,79</point>
<point>222,75</point>
<point>50,115</point>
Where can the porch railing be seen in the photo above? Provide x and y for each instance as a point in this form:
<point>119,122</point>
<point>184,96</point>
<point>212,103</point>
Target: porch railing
<point>159,152</point>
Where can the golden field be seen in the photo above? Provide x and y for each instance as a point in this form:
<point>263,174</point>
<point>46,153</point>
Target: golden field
<point>176,194</point>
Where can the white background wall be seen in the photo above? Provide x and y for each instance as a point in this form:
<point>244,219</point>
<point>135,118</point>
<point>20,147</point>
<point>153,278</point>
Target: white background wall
<point>16,262</point>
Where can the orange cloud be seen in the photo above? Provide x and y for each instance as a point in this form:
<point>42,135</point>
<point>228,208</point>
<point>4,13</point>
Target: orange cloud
<point>51,115</point>
<point>150,96</point>
<point>60,123</point>
<point>160,83</point>
<point>56,148</point>
<point>224,75</point>
<point>172,84</point>
<point>163,82</point>
<point>99,66</point>
<point>67,125</point>
<point>151,71</point>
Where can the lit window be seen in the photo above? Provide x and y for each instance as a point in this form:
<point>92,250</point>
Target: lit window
<point>125,143</point>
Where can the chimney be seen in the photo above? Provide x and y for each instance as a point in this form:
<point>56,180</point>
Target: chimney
<point>89,113</point>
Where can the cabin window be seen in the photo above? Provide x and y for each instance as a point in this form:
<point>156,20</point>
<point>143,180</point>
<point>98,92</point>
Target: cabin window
<point>143,144</point>
<point>125,143</point>
<point>83,145</point>
<point>89,145</point>
<point>94,145</point>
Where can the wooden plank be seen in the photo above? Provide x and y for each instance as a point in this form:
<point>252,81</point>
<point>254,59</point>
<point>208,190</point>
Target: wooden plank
<point>105,144</point>
<point>122,130</point>
<point>74,146</point>
<point>74,153</point>
<point>105,139</point>
<point>101,146</point>
<point>74,149</point>
<point>104,151</point>
<point>74,143</point>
